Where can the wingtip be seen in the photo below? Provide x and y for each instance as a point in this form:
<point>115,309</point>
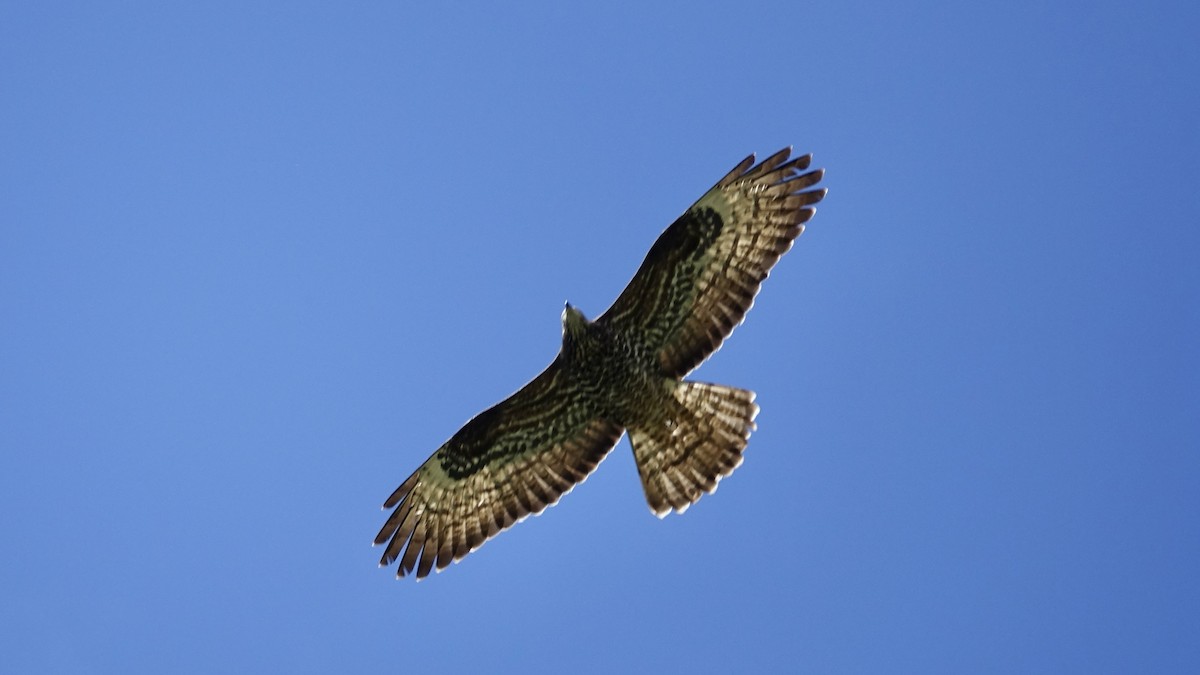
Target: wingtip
<point>779,157</point>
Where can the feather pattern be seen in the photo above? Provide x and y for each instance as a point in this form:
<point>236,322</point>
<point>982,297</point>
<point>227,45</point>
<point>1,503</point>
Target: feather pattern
<point>512,460</point>
<point>702,274</point>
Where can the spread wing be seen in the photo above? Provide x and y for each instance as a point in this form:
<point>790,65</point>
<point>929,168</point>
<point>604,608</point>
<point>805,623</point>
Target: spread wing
<point>511,460</point>
<point>700,277</point>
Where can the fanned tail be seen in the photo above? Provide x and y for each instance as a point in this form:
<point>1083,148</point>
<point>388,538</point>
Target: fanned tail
<point>700,443</point>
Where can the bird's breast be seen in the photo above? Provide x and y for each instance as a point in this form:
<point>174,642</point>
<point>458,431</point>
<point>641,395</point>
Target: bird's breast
<point>612,372</point>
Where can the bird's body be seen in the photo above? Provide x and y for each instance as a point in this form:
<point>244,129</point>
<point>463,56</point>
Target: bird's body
<point>610,368</point>
<point>622,372</point>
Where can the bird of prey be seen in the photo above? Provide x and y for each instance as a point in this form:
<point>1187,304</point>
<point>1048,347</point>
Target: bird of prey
<point>622,372</point>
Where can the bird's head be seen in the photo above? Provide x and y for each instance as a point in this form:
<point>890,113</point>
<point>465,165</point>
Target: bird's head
<point>574,325</point>
<point>573,320</point>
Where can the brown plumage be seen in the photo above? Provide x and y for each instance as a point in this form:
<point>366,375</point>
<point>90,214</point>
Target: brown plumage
<point>621,372</point>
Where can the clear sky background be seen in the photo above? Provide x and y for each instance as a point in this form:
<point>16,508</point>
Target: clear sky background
<point>257,261</point>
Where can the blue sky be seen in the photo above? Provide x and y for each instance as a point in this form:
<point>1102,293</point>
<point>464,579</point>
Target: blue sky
<point>258,261</point>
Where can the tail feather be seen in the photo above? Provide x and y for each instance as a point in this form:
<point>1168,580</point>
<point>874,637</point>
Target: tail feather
<point>695,446</point>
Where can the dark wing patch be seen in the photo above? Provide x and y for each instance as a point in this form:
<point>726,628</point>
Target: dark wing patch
<point>700,277</point>
<point>514,459</point>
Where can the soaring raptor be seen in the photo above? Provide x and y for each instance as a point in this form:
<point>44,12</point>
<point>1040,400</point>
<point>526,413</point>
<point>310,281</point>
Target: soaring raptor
<point>622,372</point>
